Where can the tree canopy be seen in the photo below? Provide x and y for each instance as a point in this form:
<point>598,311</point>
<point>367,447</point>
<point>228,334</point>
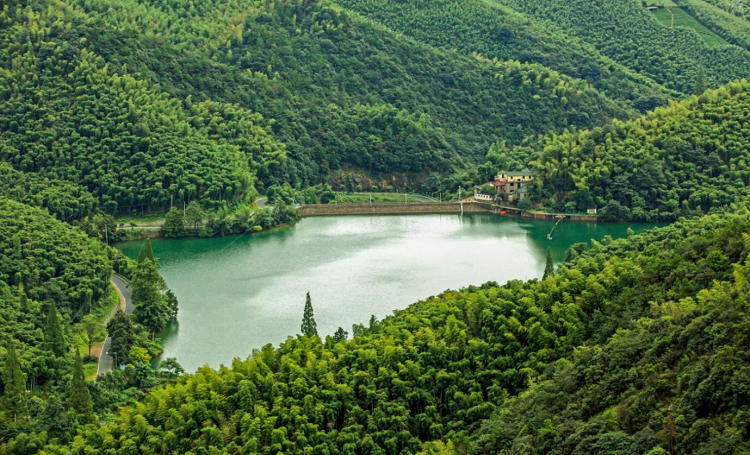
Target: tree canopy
<point>633,346</point>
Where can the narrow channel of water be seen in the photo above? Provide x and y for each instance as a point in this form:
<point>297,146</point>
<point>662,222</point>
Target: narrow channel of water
<point>239,293</point>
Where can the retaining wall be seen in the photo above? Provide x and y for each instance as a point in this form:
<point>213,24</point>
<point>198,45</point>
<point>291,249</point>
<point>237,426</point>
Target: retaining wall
<point>391,208</point>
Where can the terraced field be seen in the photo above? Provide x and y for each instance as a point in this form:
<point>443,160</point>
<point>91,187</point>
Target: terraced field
<point>683,19</point>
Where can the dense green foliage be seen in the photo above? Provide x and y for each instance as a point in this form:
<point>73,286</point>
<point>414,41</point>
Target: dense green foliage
<point>152,105</point>
<point>626,32</point>
<point>65,115</point>
<point>496,31</point>
<point>50,260</point>
<point>66,200</point>
<point>639,344</point>
<point>732,28</point>
<point>680,160</point>
<point>52,275</point>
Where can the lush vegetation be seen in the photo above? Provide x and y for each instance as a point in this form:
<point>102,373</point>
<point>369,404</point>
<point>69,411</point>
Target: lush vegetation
<point>688,158</point>
<point>51,260</point>
<point>732,28</point>
<point>678,17</point>
<point>496,31</point>
<point>66,116</point>
<point>124,103</point>
<point>637,346</point>
<point>626,32</point>
<point>112,107</point>
<point>55,296</point>
<point>66,200</point>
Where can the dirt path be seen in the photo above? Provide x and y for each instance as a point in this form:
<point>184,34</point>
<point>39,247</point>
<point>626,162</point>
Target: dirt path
<point>672,13</point>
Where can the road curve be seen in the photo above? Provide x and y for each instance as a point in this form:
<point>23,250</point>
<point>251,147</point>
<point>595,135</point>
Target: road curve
<point>105,360</point>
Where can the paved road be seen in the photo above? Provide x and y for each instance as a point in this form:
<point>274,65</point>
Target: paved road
<point>105,360</point>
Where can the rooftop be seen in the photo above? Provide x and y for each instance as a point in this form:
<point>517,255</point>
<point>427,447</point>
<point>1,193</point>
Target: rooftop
<point>521,173</point>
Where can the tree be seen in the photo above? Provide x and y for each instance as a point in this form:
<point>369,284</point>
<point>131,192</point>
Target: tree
<point>549,268</point>
<point>151,308</point>
<point>488,189</point>
<point>123,333</point>
<point>170,369</point>
<point>309,327</point>
<point>79,397</point>
<point>340,335</point>
<point>174,225</point>
<point>194,216</point>
<point>15,386</point>
<point>172,303</point>
<point>90,331</point>
<point>146,252</point>
<point>700,82</point>
<point>54,337</point>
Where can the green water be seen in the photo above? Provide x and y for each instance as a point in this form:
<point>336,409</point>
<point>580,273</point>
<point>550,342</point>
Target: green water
<point>239,293</point>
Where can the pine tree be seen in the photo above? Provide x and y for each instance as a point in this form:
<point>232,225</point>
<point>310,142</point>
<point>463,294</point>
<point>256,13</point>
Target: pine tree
<point>54,337</point>
<point>15,386</point>
<point>79,397</point>
<point>309,328</point>
<point>146,253</point>
<point>151,308</point>
<point>549,269</point>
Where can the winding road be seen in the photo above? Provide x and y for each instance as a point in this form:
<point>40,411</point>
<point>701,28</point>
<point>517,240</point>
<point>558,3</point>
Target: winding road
<point>105,360</point>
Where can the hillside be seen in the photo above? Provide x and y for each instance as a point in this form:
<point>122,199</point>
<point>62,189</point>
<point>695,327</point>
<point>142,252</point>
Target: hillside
<point>639,346</point>
<point>42,261</point>
<point>55,296</point>
<point>65,200</point>
<point>174,103</point>
<point>680,160</point>
<point>626,32</point>
<point>497,31</point>
<point>635,346</point>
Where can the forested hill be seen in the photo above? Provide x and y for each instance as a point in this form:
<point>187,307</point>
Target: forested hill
<point>637,346</point>
<point>619,46</point>
<point>145,103</point>
<point>495,30</point>
<point>626,32</point>
<point>681,160</point>
<point>44,262</point>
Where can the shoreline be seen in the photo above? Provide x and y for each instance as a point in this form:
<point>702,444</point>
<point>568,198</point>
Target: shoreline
<point>388,208</point>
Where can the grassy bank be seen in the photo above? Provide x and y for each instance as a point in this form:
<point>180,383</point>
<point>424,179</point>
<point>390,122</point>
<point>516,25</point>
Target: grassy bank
<point>366,198</point>
<point>684,19</point>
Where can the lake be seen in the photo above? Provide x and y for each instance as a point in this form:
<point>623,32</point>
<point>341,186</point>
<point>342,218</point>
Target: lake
<point>239,293</point>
